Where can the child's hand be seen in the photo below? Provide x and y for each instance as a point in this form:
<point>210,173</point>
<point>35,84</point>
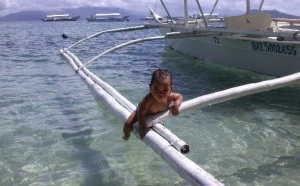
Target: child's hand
<point>174,110</point>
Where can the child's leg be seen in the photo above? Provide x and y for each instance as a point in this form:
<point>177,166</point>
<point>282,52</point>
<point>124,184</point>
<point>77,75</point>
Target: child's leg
<point>128,125</point>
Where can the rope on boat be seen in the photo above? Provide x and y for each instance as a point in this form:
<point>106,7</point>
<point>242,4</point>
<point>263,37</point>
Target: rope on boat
<point>229,94</point>
<point>186,168</point>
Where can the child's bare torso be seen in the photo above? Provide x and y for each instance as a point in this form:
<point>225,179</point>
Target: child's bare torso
<point>156,106</point>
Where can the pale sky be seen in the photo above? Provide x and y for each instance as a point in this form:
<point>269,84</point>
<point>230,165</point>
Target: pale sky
<point>142,6</point>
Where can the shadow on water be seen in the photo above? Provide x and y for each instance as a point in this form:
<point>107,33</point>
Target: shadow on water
<point>97,170</point>
<point>251,175</point>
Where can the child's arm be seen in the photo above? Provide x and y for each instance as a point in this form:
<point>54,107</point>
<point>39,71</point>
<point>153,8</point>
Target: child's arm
<point>177,98</point>
<point>141,114</point>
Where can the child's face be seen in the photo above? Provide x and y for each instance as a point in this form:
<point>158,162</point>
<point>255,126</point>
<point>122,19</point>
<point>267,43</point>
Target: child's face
<point>160,90</point>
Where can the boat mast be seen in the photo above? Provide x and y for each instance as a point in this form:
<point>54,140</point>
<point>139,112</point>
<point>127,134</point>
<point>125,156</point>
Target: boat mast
<point>260,6</point>
<point>166,10</point>
<point>213,9</point>
<point>248,7</point>
<point>202,14</point>
<point>186,14</point>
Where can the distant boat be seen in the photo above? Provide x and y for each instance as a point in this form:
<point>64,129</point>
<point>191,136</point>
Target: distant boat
<point>209,17</point>
<point>107,17</point>
<point>61,17</point>
<point>151,17</point>
<point>148,18</point>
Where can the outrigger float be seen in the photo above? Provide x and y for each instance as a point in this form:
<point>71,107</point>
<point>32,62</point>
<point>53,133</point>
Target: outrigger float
<point>160,139</point>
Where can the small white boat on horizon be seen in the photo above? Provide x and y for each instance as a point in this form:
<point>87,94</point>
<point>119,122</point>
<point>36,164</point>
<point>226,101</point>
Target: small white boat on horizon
<point>250,41</point>
<point>107,17</point>
<point>148,18</point>
<point>151,18</point>
<point>60,17</point>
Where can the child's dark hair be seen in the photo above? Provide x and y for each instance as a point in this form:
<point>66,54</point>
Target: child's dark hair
<point>161,74</point>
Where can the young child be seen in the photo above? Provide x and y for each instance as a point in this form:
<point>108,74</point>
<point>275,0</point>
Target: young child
<point>158,100</point>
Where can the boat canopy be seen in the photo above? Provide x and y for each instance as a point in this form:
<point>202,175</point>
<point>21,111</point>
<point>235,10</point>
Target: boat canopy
<point>109,14</point>
<point>60,15</point>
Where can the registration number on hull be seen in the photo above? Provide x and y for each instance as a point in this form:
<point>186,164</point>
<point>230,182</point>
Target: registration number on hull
<point>274,48</point>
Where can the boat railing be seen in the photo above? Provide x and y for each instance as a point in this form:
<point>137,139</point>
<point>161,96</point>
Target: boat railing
<point>295,35</point>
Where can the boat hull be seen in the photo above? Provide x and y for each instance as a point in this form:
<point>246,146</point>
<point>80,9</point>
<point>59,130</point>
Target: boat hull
<point>71,18</point>
<point>125,18</point>
<point>272,57</point>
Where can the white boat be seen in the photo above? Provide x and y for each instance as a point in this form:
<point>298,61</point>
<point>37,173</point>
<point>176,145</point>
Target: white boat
<point>60,17</point>
<point>107,17</point>
<point>251,42</point>
<point>208,17</point>
<point>151,17</point>
<point>148,18</point>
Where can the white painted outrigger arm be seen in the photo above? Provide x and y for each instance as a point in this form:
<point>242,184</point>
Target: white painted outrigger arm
<point>229,94</point>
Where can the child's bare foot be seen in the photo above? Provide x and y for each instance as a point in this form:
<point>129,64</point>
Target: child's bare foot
<point>126,137</point>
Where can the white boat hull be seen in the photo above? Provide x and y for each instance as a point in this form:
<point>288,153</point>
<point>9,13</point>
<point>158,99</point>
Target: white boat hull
<point>273,57</point>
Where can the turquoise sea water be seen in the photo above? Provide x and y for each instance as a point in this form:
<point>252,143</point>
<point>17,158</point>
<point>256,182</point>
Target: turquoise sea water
<point>54,132</point>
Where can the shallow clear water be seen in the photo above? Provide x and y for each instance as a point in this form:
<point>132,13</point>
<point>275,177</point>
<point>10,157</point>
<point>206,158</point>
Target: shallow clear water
<point>54,132</point>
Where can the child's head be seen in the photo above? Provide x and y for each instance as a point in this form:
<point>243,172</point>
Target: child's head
<point>161,84</point>
<point>161,75</point>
